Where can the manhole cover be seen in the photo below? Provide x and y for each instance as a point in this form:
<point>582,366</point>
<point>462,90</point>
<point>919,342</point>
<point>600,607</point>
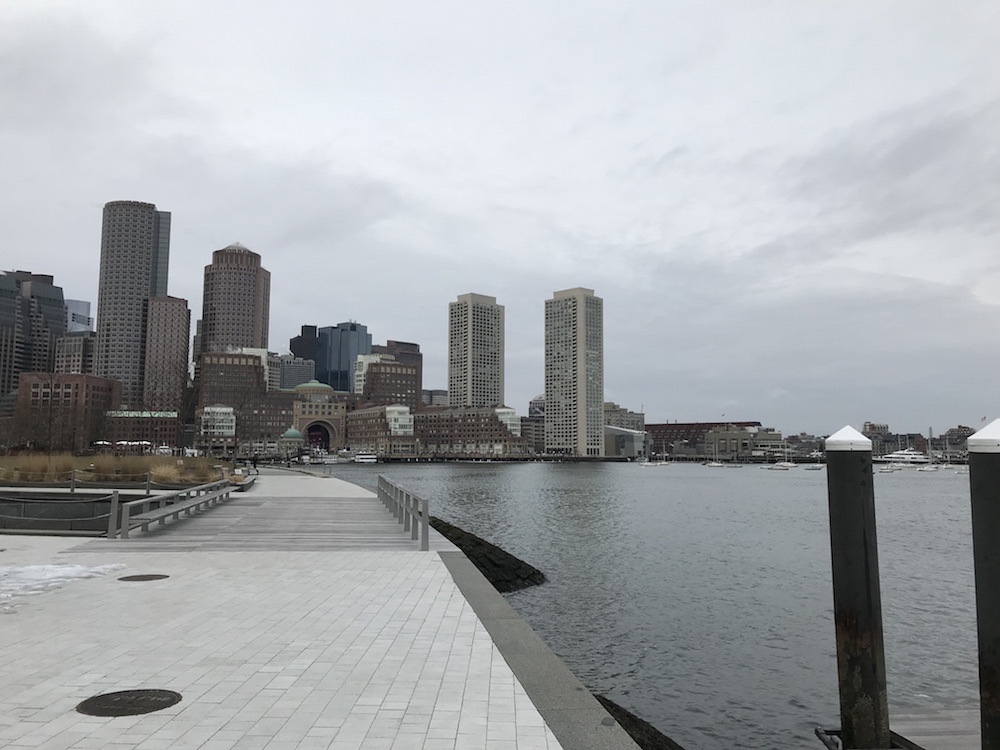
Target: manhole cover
<point>129,702</point>
<point>144,577</point>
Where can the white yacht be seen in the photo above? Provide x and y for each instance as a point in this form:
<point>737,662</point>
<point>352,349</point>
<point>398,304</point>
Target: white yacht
<point>904,457</point>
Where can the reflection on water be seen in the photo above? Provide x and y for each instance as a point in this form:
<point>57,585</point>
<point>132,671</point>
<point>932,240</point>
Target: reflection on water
<point>701,599</point>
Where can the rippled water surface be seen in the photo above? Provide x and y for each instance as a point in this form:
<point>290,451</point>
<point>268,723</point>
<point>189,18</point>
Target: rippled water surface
<point>700,598</point>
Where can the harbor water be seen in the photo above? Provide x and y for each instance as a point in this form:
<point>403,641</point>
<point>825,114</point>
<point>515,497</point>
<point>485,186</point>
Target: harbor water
<point>700,598</point>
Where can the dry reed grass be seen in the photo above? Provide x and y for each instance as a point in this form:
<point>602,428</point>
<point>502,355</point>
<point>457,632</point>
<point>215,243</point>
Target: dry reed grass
<point>108,468</point>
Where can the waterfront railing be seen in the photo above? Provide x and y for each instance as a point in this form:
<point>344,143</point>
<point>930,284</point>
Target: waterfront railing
<point>171,503</point>
<point>408,509</point>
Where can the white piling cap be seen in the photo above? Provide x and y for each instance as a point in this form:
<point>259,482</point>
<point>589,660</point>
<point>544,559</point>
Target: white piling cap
<point>987,440</point>
<point>848,439</point>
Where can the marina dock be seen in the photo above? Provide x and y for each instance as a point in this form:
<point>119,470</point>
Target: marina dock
<point>296,615</point>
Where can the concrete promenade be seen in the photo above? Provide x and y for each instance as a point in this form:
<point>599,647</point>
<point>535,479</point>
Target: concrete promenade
<point>297,615</point>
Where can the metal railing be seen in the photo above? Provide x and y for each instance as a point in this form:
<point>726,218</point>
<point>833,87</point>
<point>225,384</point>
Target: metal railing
<point>408,509</point>
<point>157,501</point>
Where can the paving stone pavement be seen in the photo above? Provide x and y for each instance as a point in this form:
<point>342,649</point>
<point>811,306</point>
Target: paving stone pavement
<point>280,630</point>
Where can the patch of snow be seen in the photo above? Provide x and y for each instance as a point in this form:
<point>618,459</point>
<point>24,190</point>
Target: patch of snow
<point>18,581</point>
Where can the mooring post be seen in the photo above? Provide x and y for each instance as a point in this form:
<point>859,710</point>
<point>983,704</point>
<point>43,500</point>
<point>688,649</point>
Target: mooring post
<point>984,485</point>
<point>857,599</point>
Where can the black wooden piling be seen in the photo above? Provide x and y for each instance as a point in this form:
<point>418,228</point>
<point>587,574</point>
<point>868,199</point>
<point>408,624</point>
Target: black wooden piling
<point>857,599</point>
<point>984,481</point>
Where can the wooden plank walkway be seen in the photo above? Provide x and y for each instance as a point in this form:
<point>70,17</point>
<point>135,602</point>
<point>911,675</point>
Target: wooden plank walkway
<point>281,515</point>
<point>939,728</point>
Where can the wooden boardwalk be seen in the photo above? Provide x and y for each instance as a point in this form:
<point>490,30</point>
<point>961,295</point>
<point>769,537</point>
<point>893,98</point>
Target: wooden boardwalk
<point>281,516</point>
<point>940,728</point>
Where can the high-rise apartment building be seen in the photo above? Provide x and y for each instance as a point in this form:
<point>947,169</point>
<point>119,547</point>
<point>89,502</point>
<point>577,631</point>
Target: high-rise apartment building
<point>135,253</point>
<point>475,351</point>
<point>236,302</point>
<point>168,329</point>
<point>574,373</point>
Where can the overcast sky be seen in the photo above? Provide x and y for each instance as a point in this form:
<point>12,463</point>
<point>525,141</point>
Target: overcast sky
<point>791,210</point>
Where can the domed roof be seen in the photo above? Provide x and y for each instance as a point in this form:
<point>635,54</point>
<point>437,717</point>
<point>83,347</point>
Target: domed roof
<point>314,386</point>
<point>292,434</point>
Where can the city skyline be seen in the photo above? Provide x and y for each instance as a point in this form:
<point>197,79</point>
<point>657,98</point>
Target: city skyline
<point>791,212</point>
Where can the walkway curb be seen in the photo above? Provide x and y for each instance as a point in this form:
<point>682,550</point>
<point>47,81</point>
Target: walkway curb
<point>568,707</point>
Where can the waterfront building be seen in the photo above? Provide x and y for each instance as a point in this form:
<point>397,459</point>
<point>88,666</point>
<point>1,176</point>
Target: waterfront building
<point>434,397</point>
<point>320,415</point>
<point>475,351</point>
<point>243,379</point>
<point>386,430</point>
<point>62,411</point>
<point>685,439</point>
<point>270,361</point>
<point>150,429</point>
<point>389,382</point>
<point>337,349</point>
<point>32,319</point>
<point>296,370</point>
<point>574,373</point>
<point>235,303</point>
<point>78,318</point>
<point>619,416</point>
<point>135,253</point>
<point>624,442</point>
<point>406,353</point>
<point>168,330</point>
<point>533,432</point>
<point>732,442</point>
<point>469,432</point>
<point>361,368</point>
<point>76,352</point>
<point>217,425</point>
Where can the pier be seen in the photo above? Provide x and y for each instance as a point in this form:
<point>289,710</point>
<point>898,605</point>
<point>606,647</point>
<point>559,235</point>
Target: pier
<point>296,615</point>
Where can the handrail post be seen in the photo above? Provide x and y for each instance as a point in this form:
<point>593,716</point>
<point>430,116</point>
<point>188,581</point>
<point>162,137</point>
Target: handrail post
<point>149,481</point>
<point>72,481</point>
<point>407,511</point>
<point>857,599</point>
<point>425,529</point>
<point>984,471</point>
<point>113,516</point>
<point>125,522</point>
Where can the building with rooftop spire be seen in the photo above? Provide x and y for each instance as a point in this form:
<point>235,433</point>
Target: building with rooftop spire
<point>235,302</point>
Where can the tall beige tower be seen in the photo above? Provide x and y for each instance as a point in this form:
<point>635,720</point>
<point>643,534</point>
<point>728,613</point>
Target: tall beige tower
<point>135,251</point>
<point>236,302</point>
<point>168,328</point>
<point>475,351</point>
<point>574,373</point>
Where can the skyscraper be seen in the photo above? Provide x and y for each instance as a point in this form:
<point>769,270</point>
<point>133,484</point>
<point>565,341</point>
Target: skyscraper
<point>574,373</point>
<point>166,366</point>
<point>475,351</point>
<point>32,319</point>
<point>337,351</point>
<point>135,253</point>
<point>236,302</point>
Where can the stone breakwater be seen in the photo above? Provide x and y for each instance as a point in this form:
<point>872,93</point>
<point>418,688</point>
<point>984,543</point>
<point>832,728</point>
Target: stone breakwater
<point>502,569</point>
